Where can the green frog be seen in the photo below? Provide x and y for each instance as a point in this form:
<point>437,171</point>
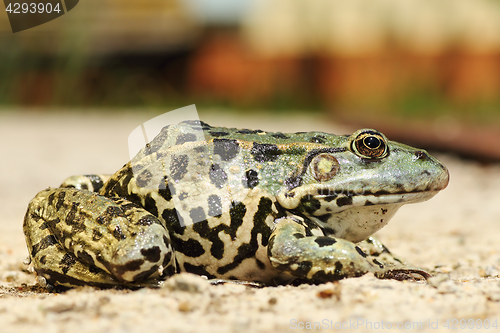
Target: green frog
<point>232,204</point>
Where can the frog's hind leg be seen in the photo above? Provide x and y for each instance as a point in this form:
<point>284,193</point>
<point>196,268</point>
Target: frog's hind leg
<point>92,183</point>
<point>293,248</point>
<point>77,237</point>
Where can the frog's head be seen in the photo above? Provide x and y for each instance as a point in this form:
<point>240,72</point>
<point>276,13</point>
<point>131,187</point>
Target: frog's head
<point>353,189</point>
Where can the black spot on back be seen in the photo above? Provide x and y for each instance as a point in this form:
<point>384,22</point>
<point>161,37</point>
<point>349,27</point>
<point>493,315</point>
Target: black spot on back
<point>150,205</point>
<point>190,248</point>
<point>200,150</point>
<point>212,234</point>
<point>251,179</point>
<point>144,178</point>
<point>236,213</point>
<point>279,135</point>
<point>226,148</point>
<point>248,131</point>
<point>158,141</point>
<point>218,134</point>
<point>202,123</point>
<point>264,152</point>
<point>173,220</point>
<point>178,167</point>
<point>164,190</point>
<point>214,206</point>
<point>197,214</point>
<point>317,139</point>
<point>186,137</point>
<point>217,176</point>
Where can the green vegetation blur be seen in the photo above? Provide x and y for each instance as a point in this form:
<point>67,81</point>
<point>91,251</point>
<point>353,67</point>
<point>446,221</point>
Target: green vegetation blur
<point>413,58</point>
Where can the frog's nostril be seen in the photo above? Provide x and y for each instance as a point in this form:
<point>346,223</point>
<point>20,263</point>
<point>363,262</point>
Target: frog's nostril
<point>420,155</point>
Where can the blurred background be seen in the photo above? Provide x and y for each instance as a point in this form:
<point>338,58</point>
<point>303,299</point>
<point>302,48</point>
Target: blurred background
<point>424,72</point>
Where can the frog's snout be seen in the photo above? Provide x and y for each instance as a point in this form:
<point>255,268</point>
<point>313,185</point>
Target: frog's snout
<point>441,179</point>
<point>435,172</point>
<point>445,178</point>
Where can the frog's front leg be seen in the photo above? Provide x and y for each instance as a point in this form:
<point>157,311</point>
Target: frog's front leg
<point>77,237</point>
<point>293,249</point>
<point>397,267</point>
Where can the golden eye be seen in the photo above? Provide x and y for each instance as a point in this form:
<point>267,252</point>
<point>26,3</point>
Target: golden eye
<point>370,144</point>
<point>324,167</point>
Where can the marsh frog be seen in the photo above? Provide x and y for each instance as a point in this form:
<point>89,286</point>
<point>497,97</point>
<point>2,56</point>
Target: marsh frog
<point>232,204</point>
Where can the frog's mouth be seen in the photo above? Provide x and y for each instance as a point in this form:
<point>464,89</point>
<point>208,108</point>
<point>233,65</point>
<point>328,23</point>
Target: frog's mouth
<point>370,199</point>
<point>318,199</point>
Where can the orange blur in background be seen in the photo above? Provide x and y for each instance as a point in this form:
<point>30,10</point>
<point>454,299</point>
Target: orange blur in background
<point>433,66</point>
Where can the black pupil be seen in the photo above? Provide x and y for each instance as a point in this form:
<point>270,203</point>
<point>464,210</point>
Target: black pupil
<point>372,142</point>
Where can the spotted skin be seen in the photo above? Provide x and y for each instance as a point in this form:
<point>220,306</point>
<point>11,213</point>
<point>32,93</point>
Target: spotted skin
<point>232,204</point>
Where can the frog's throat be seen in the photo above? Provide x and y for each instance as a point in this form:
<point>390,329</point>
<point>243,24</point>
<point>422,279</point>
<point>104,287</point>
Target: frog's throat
<point>356,223</point>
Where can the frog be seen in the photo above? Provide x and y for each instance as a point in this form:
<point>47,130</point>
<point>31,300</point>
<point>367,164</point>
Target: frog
<point>233,205</point>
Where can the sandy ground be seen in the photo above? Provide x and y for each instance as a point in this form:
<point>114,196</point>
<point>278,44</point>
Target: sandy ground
<point>454,235</point>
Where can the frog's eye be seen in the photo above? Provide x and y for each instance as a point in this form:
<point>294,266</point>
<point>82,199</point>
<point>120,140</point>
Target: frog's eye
<point>370,144</point>
<point>324,167</point>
